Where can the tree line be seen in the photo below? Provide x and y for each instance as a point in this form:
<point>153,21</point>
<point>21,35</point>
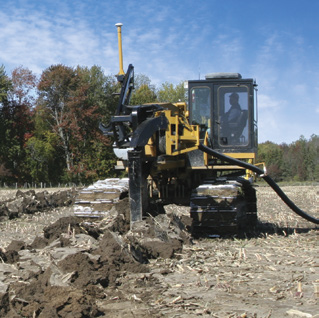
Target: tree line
<point>49,124</point>
<point>298,161</point>
<point>49,127</point>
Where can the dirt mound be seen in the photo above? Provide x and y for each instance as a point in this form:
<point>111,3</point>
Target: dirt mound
<point>67,225</point>
<point>90,268</point>
<point>121,221</point>
<point>40,300</point>
<point>11,253</point>
<point>67,269</point>
<point>29,202</point>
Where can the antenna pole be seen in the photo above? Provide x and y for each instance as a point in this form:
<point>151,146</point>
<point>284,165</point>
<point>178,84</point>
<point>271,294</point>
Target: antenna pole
<point>119,35</point>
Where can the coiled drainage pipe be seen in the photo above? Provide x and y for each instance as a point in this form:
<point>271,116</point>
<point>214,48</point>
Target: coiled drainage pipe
<point>268,179</point>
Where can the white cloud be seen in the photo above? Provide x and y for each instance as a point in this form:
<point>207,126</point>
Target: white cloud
<point>37,40</point>
<point>270,102</point>
<point>172,42</point>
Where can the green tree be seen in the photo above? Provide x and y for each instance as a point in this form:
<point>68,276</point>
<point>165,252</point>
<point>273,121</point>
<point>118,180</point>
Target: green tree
<point>144,94</point>
<point>16,123</point>
<point>298,154</point>
<point>144,91</point>
<point>316,173</point>
<point>170,93</point>
<point>271,154</point>
<point>287,162</point>
<point>312,159</point>
<point>42,154</point>
<point>16,129</point>
<point>5,85</point>
<point>142,80</point>
<point>101,90</point>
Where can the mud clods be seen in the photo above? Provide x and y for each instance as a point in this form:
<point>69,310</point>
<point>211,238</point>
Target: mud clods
<point>29,202</point>
<point>67,270</point>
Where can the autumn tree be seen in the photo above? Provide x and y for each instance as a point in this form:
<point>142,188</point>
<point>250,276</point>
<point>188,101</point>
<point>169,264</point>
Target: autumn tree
<point>298,161</point>
<point>97,153</point>
<point>24,83</point>
<point>304,156</point>
<point>72,100</point>
<point>58,93</point>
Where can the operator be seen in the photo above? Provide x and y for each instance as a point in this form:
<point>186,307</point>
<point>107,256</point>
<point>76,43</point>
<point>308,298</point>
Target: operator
<point>228,131</point>
<point>234,111</point>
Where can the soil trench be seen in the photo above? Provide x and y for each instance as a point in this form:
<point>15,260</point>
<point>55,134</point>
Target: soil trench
<point>55,264</point>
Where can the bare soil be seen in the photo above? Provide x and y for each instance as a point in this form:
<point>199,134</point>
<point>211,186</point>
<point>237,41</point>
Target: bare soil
<point>53,264</point>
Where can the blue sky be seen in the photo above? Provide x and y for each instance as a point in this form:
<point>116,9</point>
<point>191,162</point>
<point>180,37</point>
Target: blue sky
<point>273,41</point>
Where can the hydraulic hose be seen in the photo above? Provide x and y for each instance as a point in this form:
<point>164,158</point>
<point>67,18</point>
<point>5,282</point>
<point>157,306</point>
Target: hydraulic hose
<point>268,179</point>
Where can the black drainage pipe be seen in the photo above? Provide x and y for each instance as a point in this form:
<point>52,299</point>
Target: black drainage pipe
<point>268,179</point>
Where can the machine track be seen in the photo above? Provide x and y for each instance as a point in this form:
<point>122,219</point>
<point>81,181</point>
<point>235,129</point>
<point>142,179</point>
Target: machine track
<point>96,200</point>
<point>223,206</point>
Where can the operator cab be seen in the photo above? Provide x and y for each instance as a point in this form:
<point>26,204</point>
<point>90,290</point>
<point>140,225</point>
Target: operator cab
<point>223,106</point>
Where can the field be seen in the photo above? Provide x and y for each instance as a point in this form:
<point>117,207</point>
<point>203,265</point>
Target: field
<point>55,265</point>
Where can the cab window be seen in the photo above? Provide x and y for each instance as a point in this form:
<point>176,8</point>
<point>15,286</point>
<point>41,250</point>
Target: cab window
<point>233,116</point>
<point>201,107</point>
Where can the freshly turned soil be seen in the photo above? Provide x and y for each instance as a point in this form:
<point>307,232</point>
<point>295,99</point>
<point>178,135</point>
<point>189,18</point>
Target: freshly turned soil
<point>53,264</point>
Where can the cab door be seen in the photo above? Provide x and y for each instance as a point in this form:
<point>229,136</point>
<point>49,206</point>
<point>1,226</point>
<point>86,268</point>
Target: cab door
<point>233,123</point>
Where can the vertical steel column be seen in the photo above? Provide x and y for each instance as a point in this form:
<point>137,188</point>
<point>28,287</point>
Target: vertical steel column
<point>136,185</point>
